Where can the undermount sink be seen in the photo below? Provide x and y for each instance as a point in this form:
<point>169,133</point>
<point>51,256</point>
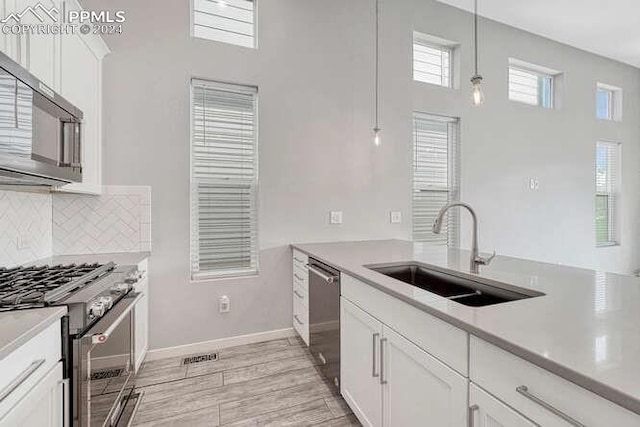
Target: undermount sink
<point>474,292</point>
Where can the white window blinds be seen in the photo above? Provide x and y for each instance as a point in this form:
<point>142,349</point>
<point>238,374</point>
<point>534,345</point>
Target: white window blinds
<point>607,192</point>
<point>432,62</point>
<point>227,21</point>
<point>435,177</point>
<point>223,180</point>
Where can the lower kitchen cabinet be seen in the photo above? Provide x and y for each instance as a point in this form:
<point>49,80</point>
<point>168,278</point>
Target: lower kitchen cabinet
<point>389,381</point>
<point>141,319</point>
<point>360,363</point>
<point>487,411</point>
<point>43,406</point>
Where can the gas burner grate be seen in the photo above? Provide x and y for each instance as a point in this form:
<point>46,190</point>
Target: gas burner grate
<point>106,374</point>
<point>211,357</point>
<point>41,285</point>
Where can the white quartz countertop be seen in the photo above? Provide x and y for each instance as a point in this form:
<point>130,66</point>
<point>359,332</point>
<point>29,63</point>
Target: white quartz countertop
<point>121,258</point>
<point>19,326</point>
<point>586,328</point>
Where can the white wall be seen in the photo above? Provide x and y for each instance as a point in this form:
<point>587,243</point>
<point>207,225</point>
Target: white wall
<point>314,73</point>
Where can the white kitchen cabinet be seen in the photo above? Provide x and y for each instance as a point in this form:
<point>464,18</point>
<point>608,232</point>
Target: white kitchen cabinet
<point>300,294</point>
<point>389,381</point>
<point>419,390</point>
<point>81,83</point>
<point>360,336</point>
<point>43,405</point>
<point>487,411</point>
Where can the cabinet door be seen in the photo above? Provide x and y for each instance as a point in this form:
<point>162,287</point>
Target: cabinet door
<point>141,336</point>
<point>487,411</point>
<point>40,52</point>
<point>10,44</point>
<point>418,389</point>
<point>360,363</point>
<point>43,406</point>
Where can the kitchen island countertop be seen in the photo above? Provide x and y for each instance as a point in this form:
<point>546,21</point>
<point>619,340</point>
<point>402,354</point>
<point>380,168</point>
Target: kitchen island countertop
<point>586,328</point>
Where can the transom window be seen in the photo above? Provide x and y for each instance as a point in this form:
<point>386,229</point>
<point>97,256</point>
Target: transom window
<point>226,21</point>
<point>608,102</point>
<point>531,84</point>
<point>432,60</point>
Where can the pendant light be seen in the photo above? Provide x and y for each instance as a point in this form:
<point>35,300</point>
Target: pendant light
<point>476,80</point>
<point>376,129</point>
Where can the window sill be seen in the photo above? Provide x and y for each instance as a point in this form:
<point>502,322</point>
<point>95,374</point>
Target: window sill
<point>607,245</point>
<point>211,277</point>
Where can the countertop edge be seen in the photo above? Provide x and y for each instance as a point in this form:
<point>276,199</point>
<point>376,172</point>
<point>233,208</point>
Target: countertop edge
<point>56,314</point>
<point>603,390</point>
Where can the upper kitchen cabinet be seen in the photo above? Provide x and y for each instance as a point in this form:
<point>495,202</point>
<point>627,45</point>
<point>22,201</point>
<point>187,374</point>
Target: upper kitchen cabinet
<point>70,64</point>
<point>81,83</point>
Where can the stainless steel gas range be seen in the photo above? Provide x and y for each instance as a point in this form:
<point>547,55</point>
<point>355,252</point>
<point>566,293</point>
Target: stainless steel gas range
<point>97,334</point>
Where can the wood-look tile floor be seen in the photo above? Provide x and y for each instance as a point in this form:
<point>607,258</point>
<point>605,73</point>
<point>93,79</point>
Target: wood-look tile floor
<point>272,383</point>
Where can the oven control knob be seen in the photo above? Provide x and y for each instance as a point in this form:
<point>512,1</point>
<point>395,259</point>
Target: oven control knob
<point>119,288</point>
<point>96,309</point>
<point>107,302</point>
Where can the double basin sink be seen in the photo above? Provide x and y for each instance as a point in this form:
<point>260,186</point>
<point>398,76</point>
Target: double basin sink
<point>470,291</point>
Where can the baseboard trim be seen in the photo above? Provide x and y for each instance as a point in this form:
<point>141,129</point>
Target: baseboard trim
<point>204,346</point>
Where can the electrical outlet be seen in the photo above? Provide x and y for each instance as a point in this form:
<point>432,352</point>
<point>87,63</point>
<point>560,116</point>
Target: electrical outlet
<point>534,184</point>
<point>22,242</point>
<point>335,217</point>
<point>224,304</point>
<point>395,217</point>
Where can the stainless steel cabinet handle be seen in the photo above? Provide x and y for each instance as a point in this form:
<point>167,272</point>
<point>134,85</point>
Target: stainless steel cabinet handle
<point>373,369</point>
<point>327,277</point>
<point>524,390</point>
<point>299,260</point>
<point>295,316</point>
<point>383,380</point>
<point>66,403</point>
<point>24,375</point>
<point>472,414</point>
<point>298,295</point>
<point>297,277</point>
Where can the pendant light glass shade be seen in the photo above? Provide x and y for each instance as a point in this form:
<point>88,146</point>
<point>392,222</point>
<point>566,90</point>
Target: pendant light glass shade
<point>476,91</point>
<point>377,137</point>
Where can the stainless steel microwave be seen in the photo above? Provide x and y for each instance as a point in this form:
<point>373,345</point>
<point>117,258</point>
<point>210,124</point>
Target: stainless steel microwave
<point>40,132</point>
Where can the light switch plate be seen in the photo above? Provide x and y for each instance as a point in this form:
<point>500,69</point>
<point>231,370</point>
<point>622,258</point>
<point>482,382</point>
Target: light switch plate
<point>395,217</point>
<point>335,217</point>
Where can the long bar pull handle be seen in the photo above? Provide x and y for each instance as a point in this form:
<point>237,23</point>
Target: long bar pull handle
<point>296,293</point>
<point>375,348</point>
<point>327,277</point>
<point>24,375</point>
<point>383,379</point>
<point>524,390</point>
<point>298,277</point>
<point>472,415</point>
<point>295,316</point>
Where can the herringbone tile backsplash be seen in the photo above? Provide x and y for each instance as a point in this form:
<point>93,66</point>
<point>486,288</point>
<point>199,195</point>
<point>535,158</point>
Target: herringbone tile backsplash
<point>117,221</point>
<point>25,227</point>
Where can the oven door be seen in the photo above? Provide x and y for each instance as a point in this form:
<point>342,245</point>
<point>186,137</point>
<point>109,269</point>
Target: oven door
<point>103,360</point>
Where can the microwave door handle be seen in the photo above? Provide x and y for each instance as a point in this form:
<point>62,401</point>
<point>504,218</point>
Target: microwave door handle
<point>77,145</point>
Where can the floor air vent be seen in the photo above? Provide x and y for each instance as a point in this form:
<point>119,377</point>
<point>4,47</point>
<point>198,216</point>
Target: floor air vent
<point>211,357</point>
<point>108,373</point>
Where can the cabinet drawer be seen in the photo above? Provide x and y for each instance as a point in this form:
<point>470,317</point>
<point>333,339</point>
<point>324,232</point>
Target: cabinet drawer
<point>301,277</point>
<point>501,373</point>
<point>27,365</point>
<point>301,320</point>
<point>300,260</point>
<point>437,337</point>
<point>300,294</point>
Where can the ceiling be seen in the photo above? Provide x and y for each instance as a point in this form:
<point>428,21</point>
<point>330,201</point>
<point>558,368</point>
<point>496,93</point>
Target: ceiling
<point>610,28</point>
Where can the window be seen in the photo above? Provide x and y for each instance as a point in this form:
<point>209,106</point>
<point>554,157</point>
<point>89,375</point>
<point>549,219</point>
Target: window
<point>607,193</point>
<point>531,84</point>
<point>608,102</point>
<point>432,60</point>
<point>227,21</point>
<point>435,177</point>
<point>223,180</point>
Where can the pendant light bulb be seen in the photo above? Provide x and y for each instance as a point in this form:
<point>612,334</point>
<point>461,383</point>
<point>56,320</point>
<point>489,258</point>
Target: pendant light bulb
<point>376,137</point>
<point>476,91</point>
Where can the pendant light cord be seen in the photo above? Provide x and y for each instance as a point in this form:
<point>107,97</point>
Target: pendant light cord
<point>377,62</point>
<point>475,34</point>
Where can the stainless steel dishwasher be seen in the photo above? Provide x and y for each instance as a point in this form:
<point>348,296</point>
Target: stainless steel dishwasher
<point>324,319</point>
